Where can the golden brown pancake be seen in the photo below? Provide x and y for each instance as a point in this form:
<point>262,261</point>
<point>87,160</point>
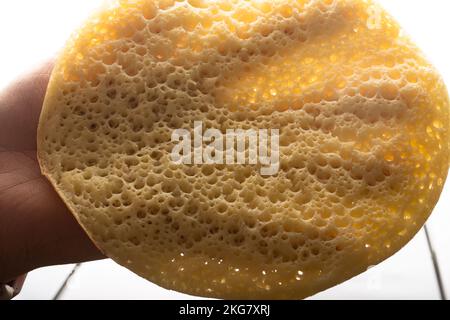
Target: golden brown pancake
<point>364,130</point>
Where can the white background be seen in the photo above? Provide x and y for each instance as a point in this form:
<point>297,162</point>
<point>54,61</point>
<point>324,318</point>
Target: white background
<point>31,31</point>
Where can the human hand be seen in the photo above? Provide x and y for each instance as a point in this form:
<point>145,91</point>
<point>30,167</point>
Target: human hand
<point>36,228</point>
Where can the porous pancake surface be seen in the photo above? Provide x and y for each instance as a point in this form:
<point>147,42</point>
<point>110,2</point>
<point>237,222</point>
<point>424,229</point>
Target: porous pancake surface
<point>364,131</point>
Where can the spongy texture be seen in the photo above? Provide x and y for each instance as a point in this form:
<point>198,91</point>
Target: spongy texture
<point>364,131</point>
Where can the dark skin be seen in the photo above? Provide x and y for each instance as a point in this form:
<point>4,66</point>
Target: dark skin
<point>36,228</point>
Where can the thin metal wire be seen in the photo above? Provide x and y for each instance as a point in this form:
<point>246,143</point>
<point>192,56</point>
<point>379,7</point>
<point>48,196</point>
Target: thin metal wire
<point>437,270</point>
<point>63,286</point>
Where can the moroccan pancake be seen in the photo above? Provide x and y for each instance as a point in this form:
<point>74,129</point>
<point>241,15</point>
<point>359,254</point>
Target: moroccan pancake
<point>363,124</point>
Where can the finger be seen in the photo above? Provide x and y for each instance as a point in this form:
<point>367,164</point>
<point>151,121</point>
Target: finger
<point>20,108</point>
